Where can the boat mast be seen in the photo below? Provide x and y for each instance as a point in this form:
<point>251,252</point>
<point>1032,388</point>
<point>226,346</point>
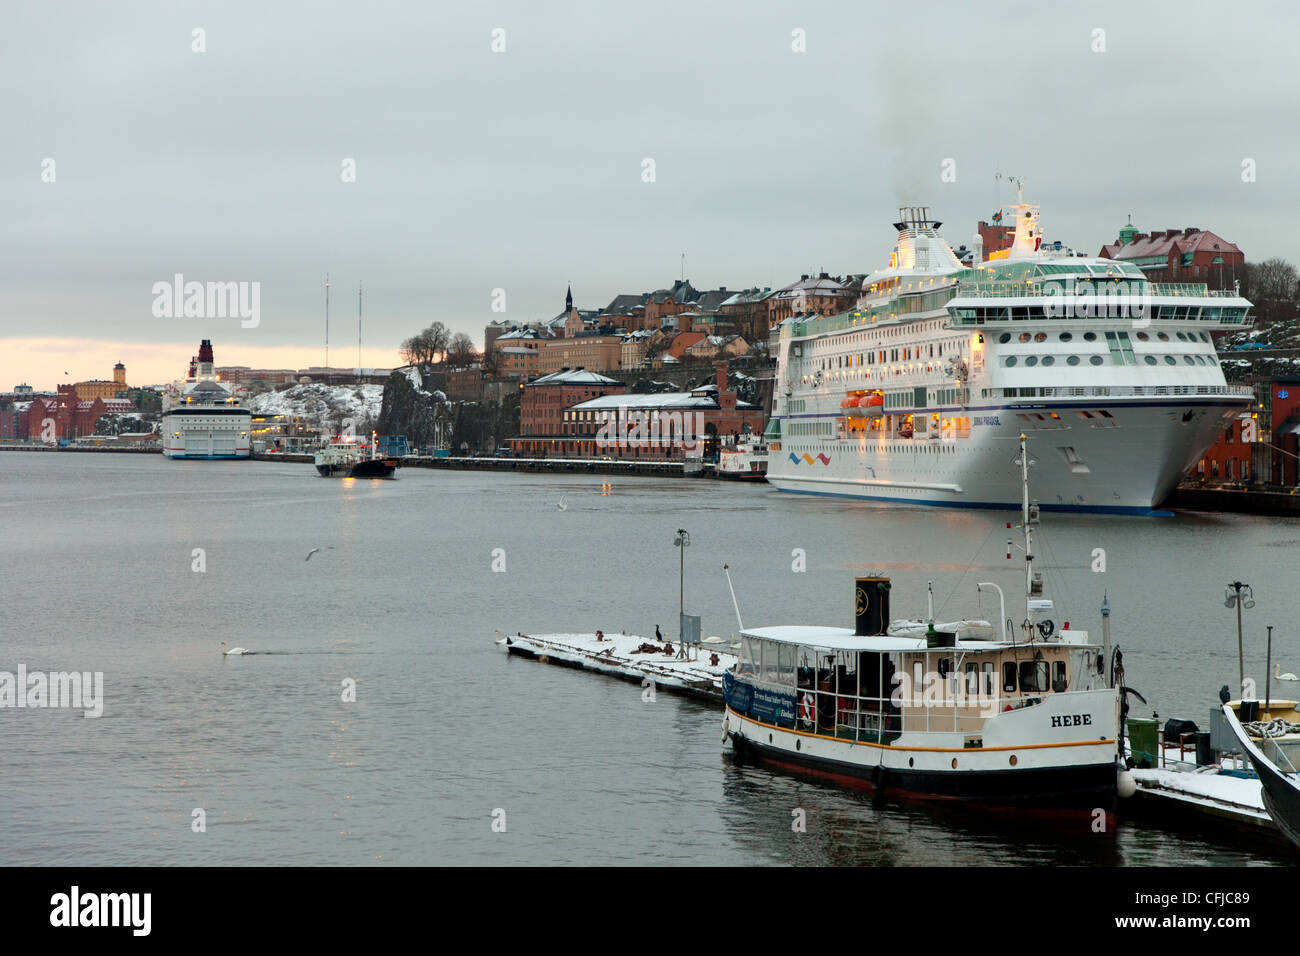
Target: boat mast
<point>327,323</point>
<point>1028,516</point>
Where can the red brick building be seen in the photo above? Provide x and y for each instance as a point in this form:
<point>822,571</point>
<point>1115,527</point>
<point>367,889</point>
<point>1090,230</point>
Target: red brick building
<point>542,402</point>
<point>1179,255</point>
<point>663,426</point>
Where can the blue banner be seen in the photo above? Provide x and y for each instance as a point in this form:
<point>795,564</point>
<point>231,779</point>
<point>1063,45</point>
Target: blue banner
<point>737,693</point>
<point>774,707</point>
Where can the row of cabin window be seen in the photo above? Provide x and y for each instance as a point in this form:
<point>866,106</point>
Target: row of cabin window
<point>1027,677</point>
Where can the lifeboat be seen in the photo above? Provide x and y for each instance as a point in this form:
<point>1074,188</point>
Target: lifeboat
<point>874,405</point>
<point>853,407</point>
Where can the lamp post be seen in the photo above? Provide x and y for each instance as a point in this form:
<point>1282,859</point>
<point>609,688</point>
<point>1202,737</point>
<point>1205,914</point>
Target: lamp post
<point>1240,596</point>
<point>681,542</point>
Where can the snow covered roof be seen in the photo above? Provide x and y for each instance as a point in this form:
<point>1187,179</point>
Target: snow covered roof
<point>574,376</point>
<point>701,398</point>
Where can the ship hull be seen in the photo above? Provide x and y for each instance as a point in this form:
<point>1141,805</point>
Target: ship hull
<point>1079,776</point>
<point>1127,461</point>
<point>206,436</point>
<point>370,468</point>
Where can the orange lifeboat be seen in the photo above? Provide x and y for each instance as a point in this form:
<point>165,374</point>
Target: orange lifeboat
<point>874,405</point>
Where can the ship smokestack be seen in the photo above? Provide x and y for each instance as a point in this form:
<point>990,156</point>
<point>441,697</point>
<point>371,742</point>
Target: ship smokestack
<point>871,607</point>
<point>205,350</point>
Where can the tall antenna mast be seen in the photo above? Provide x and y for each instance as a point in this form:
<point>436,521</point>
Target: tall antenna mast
<point>327,320</point>
<point>358,328</point>
<point>1028,518</point>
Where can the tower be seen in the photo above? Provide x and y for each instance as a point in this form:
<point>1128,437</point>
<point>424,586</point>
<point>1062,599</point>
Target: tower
<point>568,300</point>
<point>119,374</point>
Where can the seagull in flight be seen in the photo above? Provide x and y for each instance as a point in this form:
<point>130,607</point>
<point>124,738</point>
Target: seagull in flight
<point>310,553</point>
<point>561,505</point>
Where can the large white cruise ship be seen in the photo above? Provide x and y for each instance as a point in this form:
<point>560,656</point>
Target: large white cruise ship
<point>203,417</point>
<point>919,393</point>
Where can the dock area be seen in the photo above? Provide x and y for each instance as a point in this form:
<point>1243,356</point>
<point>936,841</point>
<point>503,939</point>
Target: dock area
<point>634,658</point>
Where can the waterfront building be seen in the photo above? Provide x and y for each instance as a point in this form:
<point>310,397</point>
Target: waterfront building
<point>662,426</point>
<point>542,402</point>
<point>1178,255</point>
<point>822,293</point>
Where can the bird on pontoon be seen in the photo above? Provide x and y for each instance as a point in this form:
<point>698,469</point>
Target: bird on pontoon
<point>1278,675</point>
<point>234,651</point>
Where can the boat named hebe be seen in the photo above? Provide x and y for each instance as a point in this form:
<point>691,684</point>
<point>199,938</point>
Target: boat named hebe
<point>1013,715</point>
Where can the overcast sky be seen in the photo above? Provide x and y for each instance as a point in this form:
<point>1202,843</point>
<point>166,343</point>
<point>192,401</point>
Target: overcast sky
<point>523,170</point>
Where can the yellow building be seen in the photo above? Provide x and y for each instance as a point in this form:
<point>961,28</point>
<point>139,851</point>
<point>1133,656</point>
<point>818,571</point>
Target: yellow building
<point>102,388</point>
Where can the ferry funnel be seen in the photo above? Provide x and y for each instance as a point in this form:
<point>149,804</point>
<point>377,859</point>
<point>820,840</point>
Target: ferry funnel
<point>871,606</point>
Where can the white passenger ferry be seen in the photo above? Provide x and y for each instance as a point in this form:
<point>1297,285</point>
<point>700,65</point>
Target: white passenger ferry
<point>1006,714</point>
<point>906,397</point>
<point>204,417</point>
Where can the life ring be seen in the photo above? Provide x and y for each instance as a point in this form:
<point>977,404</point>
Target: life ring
<point>807,708</point>
<point>1046,628</point>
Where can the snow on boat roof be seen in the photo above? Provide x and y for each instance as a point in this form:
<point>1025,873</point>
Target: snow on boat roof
<point>843,639</point>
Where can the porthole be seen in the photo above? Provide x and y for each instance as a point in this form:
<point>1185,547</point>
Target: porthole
<point>1024,336</point>
<point>1163,336</point>
<point>1072,360</point>
<point>1205,336</point>
<point>1090,336</point>
<point>911,761</point>
<point>1049,360</point>
<point>1169,360</point>
<point>1200,359</point>
<point>1065,336</point>
<point>1004,338</point>
<point>1040,337</point>
<point>769,738</point>
<point>1013,760</point>
<point>1182,336</point>
<point>1143,337</point>
<point>1212,360</point>
<point>1011,361</point>
<point>1150,360</point>
<point>1031,360</point>
<point>954,763</point>
<point>1095,359</point>
<point>1189,360</point>
<point>798,745</point>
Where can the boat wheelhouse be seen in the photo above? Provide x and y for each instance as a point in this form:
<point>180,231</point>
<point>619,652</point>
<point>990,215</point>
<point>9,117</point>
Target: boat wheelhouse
<point>994,714</point>
<point>1118,373</point>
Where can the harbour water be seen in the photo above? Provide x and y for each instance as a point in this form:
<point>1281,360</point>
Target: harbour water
<point>447,733</point>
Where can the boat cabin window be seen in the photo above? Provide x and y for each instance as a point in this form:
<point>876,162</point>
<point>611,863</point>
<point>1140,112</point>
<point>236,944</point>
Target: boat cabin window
<point>1059,681</point>
<point>972,678</point>
<point>945,666</point>
<point>990,678</point>
<point>1009,678</point>
<point>749,650</point>
<point>1033,676</point>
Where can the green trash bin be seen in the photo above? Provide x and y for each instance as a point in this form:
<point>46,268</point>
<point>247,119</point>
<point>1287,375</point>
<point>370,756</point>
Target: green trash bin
<point>1142,741</point>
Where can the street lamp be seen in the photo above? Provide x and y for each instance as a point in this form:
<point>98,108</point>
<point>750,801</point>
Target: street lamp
<point>1240,596</point>
<point>682,541</point>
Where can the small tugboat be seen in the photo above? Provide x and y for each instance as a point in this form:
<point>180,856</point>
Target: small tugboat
<point>346,458</point>
<point>1008,715</point>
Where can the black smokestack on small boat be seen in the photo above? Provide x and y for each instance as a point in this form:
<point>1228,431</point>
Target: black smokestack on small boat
<point>871,606</point>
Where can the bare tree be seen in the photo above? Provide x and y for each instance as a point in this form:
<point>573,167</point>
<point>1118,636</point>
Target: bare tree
<point>427,347</point>
<point>461,352</point>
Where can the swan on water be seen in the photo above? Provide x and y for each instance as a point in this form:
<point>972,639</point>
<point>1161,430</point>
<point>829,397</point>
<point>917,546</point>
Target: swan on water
<point>1278,675</point>
<point>234,650</point>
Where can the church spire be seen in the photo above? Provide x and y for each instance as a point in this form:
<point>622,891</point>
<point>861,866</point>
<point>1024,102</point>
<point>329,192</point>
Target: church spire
<point>568,299</point>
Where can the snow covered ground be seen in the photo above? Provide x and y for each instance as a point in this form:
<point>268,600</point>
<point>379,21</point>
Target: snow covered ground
<point>320,403</point>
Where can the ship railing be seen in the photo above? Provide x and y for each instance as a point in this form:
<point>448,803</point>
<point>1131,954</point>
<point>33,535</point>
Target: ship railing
<point>960,708</point>
<point>1128,391</point>
<point>1039,289</point>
